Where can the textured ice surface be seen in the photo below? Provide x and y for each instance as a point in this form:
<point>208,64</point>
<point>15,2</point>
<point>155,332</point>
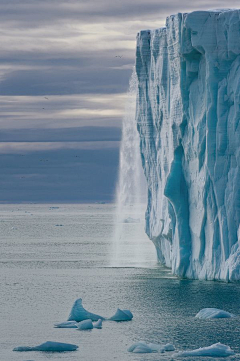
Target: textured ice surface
<point>49,346</point>
<point>143,347</point>
<point>122,315</point>
<point>78,313</point>
<point>188,118</point>
<point>67,324</point>
<point>85,325</point>
<point>216,350</point>
<point>213,313</point>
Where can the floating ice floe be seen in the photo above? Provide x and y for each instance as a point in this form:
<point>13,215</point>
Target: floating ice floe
<point>98,324</point>
<point>67,324</point>
<point>122,315</point>
<point>213,313</point>
<point>78,313</point>
<point>215,350</point>
<point>143,347</point>
<point>49,346</point>
<point>85,325</point>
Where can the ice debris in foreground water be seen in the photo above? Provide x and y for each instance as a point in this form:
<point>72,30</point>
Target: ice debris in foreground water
<point>143,347</point>
<point>85,325</point>
<point>188,119</point>
<point>78,313</point>
<point>206,313</point>
<point>215,350</point>
<point>122,315</point>
<point>67,324</point>
<point>98,324</point>
<point>49,346</point>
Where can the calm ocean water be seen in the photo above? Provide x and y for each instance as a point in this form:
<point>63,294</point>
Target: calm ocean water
<point>54,254</point>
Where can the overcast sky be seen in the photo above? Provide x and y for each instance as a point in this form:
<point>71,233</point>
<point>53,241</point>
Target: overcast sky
<point>62,92</point>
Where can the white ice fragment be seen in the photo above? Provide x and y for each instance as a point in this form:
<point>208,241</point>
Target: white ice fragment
<point>78,313</point>
<point>213,313</point>
<point>168,347</point>
<point>98,324</point>
<point>122,315</point>
<point>85,325</point>
<point>67,324</point>
<point>215,350</point>
<point>140,347</point>
<point>143,347</point>
<point>49,346</point>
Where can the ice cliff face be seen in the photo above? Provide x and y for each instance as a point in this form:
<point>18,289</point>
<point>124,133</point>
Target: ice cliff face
<point>188,118</point>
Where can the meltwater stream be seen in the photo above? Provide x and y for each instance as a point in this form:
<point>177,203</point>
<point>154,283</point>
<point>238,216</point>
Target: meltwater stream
<point>131,248</point>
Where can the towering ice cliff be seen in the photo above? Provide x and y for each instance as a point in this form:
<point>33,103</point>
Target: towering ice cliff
<point>188,118</point>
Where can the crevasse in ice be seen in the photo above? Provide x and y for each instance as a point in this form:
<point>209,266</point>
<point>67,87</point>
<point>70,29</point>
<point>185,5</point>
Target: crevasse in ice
<point>188,118</point>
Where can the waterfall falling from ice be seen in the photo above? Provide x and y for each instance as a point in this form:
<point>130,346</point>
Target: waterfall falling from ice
<point>131,247</point>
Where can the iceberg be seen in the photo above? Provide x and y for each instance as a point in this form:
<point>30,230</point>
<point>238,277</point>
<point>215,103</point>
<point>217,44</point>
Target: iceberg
<point>188,120</point>
<point>78,313</point>
<point>85,325</point>
<point>49,346</point>
<point>216,350</point>
<point>206,313</point>
<point>122,315</point>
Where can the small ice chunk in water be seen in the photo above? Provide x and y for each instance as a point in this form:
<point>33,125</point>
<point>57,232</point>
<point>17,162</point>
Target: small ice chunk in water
<point>140,347</point>
<point>206,313</point>
<point>49,346</point>
<point>98,324</point>
<point>131,220</point>
<point>215,350</point>
<point>78,313</point>
<point>122,315</point>
<point>85,325</point>
<point>168,347</point>
<point>67,324</point>
<point>143,347</point>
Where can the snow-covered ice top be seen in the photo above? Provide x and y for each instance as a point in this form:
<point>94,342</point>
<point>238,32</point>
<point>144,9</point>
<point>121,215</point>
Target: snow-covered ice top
<point>188,118</point>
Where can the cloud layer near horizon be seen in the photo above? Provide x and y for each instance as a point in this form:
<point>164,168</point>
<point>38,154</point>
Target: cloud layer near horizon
<point>62,88</point>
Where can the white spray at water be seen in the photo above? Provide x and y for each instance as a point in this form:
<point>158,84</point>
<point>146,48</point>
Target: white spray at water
<point>131,245</point>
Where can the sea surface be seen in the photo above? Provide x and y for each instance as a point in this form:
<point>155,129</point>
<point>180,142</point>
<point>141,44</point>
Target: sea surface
<point>53,254</point>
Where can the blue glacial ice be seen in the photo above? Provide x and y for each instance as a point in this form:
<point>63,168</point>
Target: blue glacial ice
<point>216,350</point>
<point>207,313</point>
<point>49,346</point>
<point>78,313</point>
<point>188,119</point>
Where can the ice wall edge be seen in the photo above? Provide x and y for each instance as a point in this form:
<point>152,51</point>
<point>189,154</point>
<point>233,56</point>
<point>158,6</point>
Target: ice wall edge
<point>188,113</point>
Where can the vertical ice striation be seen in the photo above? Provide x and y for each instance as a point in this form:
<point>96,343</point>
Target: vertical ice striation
<point>188,117</point>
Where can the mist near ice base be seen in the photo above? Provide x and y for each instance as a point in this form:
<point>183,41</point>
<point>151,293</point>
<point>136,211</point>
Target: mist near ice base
<point>131,246</point>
